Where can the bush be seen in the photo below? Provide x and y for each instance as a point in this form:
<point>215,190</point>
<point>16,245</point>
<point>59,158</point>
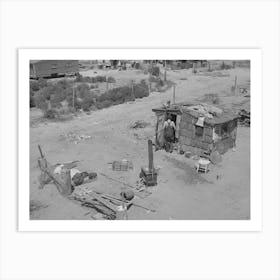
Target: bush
<point>82,90</point>
<point>111,80</point>
<point>92,86</point>
<point>50,114</point>
<point>93,80</point>
<point>119,95</point>
<point>41,99</point>
<point>104,104</point>
<point>141,90</point>
<point>42,83</point>
<point>34,85</point>
<point>225,66</point>
<point>100,79</point>
<point>79,78</point>
<point>154,70</point>
<point>153,79</point>
<point>32,100</point>
<point>37,85</point>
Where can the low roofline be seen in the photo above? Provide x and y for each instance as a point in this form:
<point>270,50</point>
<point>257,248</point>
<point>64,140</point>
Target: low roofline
<point>181,108</point>
<point>167,110</point>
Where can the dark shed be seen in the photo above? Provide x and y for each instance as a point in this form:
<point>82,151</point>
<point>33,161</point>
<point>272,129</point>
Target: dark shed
<point>53,68</point>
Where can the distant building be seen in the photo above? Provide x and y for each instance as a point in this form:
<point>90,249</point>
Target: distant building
<point>53,68</point>
<point>200,128</point>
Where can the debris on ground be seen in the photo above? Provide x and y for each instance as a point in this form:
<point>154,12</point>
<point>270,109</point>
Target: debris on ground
<point>187,154</point>
<point>64,176</point>
<point>141,193</point>
<point>122,165</point>
<point>74,137</point>
<point>245,118</point>
<point>139,124</point>
<point>91,199</point>
<point>108,206</point>
<point>128,195</point>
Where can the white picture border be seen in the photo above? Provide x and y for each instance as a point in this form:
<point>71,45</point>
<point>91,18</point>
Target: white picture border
<point>255,222</point>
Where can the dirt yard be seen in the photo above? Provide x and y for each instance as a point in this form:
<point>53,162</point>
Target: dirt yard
<point>181,193</point>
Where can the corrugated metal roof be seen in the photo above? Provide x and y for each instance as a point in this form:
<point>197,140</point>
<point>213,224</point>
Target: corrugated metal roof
<point>212,114</point>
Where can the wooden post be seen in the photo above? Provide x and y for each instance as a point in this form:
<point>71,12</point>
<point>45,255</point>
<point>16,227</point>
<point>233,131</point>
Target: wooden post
<point>235,85</point>
<point>194,67</point>
<point>132,90</point>
<point>150,155</point>
<point>106,84</point>
<point>174,87</point>
<point>73,103</point>
<point>157,132</point>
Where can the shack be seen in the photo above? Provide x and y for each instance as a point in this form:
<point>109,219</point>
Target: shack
<point>200,128</point>
<point>53,68</point>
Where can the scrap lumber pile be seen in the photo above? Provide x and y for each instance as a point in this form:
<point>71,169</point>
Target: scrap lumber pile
<point>244,117</point>
<point>108,205</point>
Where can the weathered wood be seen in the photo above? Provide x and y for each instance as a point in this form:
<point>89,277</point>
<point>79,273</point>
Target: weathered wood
<point>64,187</point>
<point>186,132</point>
<point>208,139</point>
<point>103,201</point>
<point>137,193</point>
<point>128,202</point>
<point>150,155</point>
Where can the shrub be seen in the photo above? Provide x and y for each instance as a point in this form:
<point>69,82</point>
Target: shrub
<point>42,83</point>
<point>37,85</point>
<point>137,65</point>
<point>93,80</point>
<point>79,78</point>
<point>141,90</point>
<point>119,95</point>
<point>50,114</point>
<point>82,90</point>
<point>103,104</point>
<point>100,79</point>
<point>111,80</point>
<point>153,79</point>
<point>32,100</point>
<point>154,70</point>
<point>64,84</point>
<point>34,85</point>
<point>41,100</point>
<point>92,86</point>
<point>225,66</point>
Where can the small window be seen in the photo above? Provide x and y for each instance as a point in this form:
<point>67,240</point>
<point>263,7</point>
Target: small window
<point>198,131</point>
<point>225,130</point>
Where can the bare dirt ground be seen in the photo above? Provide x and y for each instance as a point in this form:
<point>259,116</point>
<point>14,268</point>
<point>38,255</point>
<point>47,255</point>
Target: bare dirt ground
<point>181,193</point>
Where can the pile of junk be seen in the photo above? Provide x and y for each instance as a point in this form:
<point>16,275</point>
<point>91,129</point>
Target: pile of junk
<point>108,204</point>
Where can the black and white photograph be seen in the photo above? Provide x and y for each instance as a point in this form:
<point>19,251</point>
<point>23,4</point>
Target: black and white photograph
<point>139,139</point>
